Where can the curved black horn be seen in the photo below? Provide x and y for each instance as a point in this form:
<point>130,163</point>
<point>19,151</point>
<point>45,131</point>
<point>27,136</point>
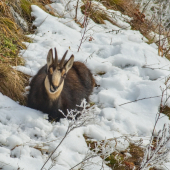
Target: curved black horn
<point>62,60</point>
<point>56,58</point>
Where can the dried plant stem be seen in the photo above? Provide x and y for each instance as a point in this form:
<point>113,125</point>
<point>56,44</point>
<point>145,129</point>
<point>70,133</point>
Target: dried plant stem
<point>92,156</point>
<point>67,132</point>
<point>139,100</point>
<point>76,10</point>
<point>85,23</point>
<point>146,6</point>
<point>159,153</point>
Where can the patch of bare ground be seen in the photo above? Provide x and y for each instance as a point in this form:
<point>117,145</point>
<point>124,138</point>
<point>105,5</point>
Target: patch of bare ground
<point>124,160</point>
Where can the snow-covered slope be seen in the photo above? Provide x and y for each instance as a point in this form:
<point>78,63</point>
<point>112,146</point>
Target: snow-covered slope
<point>124,66</point>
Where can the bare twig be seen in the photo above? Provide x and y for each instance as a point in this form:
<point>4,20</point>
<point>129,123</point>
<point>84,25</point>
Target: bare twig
<point>76,10</point>
<point>157,155</point>
<point>85,22</point>
<point>138,100</point>
<point>145,6</point>
<point>67,132</point>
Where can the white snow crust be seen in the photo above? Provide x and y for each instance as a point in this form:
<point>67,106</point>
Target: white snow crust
<point>124,66</point>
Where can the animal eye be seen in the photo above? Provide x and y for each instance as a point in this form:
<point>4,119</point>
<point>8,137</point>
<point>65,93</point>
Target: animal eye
<point>64,75</point>
<point>63,72</point>
<point>51,70</point>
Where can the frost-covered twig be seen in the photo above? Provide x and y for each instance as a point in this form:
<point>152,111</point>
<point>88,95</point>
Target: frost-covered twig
<point>81,118</point>
<point>101,149</point>
<point>157,155</point>
<point>164,100</point>
<point>54,160</point>
<point>76,119</point>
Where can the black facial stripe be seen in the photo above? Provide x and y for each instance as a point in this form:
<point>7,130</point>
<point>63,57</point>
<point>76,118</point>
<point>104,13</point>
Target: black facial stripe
<point>50,76</point>
<point>61,80</point>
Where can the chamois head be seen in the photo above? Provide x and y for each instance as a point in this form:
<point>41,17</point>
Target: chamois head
<point>56,73</point>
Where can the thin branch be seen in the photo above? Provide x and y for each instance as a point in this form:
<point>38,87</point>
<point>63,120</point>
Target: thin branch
<point>85,23</point>
<point>83,161</point>
<point>145,6</point>
<point>76,10</point>
<point>56,148</point>
<point>138,100</point>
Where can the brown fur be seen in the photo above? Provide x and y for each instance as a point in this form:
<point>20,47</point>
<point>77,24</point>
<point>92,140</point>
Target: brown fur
<point>77,85</point>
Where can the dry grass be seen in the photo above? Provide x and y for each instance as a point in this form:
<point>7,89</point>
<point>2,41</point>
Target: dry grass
<point>119,5</point>
<point>97,15</point>
<point>137,154</point>
<point>26,9</point>
<point>126,7</point>
<point>11,37</point>
<point>12,83</point>
<point>166,111</point>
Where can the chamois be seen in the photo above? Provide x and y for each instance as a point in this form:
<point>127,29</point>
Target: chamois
<point>60,85</point>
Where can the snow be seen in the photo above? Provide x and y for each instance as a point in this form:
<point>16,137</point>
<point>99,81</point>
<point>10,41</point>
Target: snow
<point>124,66</point>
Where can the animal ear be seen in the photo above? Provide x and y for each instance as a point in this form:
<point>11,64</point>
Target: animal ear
<point>69,63</point>
<point>49,58</point>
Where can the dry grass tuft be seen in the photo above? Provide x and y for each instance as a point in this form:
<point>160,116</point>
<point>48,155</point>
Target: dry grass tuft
<point>26,8</point>
<point>166,111</point>
<point>23,7</point>
<point>137,155</point>
<point>143,25</point>
<point>96,14</point>
<point>129,163</point>
<point>11,37</point>
<point>119,5</point>
<point>12,83</point>
<point>8,24</point>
